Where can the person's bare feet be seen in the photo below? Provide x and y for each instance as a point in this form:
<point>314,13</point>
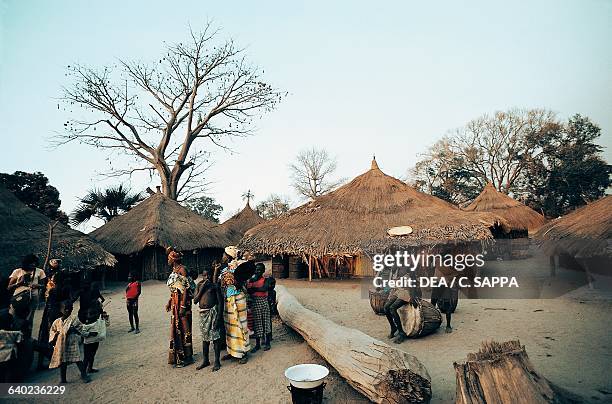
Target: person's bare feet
<point>226,357</point>
<point>216,367</point>
<point>243,360</point>
<point>401,337</point>
<point>203,365</point>
<point>449,329</point>
<point>392,334</point>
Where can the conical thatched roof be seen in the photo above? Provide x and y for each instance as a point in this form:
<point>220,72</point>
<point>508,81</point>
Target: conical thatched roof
<point>355,218</point>
<point>586,232</point>
<point>24,231</point>
<point>237,225</point>
<point>518,215</point>
<point>159,221</point>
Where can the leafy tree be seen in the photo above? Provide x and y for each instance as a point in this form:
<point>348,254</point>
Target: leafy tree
<point>206,207</point>
<point>272,207</point>
<point>311,171</point>
<point>571,171</point>
<point>34,190</point>
<point>161,113</point>
<point>105,205</point>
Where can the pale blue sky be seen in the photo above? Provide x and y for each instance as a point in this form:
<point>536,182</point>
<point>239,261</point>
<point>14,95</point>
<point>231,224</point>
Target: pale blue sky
<point>363,77</point>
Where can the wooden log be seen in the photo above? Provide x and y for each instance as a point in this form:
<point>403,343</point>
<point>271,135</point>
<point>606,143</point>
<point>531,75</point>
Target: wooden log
<point>502,373</point>
<point>380,372</point>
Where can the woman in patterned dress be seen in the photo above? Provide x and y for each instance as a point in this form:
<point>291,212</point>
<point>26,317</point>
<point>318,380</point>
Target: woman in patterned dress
<point>182,288</point>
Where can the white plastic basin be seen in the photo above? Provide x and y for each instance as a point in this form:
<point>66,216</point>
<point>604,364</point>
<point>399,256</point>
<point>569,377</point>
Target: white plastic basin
<point>306,376</point>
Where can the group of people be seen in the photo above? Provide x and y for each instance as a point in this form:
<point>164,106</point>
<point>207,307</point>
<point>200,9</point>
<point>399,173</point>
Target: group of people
<point>234,302</point>
<point>63,338</point>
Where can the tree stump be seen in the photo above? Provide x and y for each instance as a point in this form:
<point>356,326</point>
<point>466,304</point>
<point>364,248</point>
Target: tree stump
<point>502,373</point>
<point>380,372</point>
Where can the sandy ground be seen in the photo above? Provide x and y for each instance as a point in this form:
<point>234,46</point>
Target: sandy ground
<point>567,339</point>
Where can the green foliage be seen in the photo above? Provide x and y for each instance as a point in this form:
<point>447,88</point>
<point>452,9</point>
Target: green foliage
<point>206,207</point>
<point>570,172</point>
<point>106,204</point>
<point>34,190</point>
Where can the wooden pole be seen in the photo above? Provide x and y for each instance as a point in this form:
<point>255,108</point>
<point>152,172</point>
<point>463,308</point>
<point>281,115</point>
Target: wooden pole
<point>310,268</point>
<point>380,372</point>
<point>49,244</point>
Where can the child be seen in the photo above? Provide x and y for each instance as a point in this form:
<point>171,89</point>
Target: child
<point>210,302</point>
<point>132,292</point>
<point>66,338</point>
<point>95,327</point>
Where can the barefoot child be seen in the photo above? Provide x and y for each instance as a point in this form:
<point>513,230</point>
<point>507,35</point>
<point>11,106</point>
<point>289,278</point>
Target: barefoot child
<point>95,327</point>
<point>132,292</point>
<point>66,338</point>
<point>210,302</point>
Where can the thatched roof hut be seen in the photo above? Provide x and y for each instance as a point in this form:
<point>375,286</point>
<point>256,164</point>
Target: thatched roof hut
<point>519,217</point>
<point>25,231</point>
<point>237,225</point>
<point>156,223</point>
<point>583,233</point>
<point>354,219</point>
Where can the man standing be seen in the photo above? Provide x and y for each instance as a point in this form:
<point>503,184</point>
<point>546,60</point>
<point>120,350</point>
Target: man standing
<point>25,284</point>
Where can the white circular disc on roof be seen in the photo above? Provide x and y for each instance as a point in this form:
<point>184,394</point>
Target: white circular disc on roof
<point>399,231</point>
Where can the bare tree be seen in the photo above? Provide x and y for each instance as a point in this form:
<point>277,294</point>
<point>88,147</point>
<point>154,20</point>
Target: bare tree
<point>311,171</point>
<point>499,147</point>
<point>159,112</point>
<point>273,206</point>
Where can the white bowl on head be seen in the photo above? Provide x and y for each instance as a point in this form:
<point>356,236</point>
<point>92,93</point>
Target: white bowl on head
<point>306,376</point>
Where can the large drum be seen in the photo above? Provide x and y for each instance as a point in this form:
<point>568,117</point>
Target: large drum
<point>378,298</point>
<point>421,320</point>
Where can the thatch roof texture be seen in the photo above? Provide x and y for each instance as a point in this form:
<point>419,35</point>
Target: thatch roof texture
<point>583,233</point>
<point>354,219</point>
<point>25,231</point>
<point>518,216</point>
<point>159,221</point>
<point>237,225</point>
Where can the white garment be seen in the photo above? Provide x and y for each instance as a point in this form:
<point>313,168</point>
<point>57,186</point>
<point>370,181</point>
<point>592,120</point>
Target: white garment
<point>37,275</point>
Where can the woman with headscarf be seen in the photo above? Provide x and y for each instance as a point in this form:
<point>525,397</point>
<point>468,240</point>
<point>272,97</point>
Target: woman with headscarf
<point>182,288</point>
<point>235,308</point>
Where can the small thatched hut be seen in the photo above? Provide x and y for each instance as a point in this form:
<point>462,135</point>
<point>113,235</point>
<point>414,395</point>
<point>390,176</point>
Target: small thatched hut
<point>520,219</point>
<point>336,232</point>
<point>237,225</point>
<point>584,234</point>
<point>139,238</point>
<point>24,231</point>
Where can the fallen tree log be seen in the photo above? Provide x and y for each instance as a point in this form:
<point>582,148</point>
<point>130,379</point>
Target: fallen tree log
<point>502,373</point>
<point>382,373</point>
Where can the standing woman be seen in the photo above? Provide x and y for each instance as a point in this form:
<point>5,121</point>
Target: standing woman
<point>235,308</point>
<point>182,288</point>
<point>56,292</point>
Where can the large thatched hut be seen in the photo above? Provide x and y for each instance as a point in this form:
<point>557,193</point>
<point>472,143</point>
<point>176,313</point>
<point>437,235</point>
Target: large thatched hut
<point>584,235</point>
<point>237,225</point>
<point>520,219</point>
<point>336,233</point>
<point>139,238</point>
<point>24,231</point>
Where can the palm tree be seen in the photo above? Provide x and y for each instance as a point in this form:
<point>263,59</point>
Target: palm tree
<point>105,205</point>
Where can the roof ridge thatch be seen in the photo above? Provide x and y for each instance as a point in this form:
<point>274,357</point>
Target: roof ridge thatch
<point>585,232</point>
<point>355,218</point>
<point>25,230</point>
<point>518,215</point>
<point>237,225</point>
<point>160,221</point>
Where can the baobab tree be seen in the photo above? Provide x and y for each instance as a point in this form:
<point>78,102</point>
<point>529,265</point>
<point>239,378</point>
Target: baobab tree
<point>159,113</point>
<point>311,171</point>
